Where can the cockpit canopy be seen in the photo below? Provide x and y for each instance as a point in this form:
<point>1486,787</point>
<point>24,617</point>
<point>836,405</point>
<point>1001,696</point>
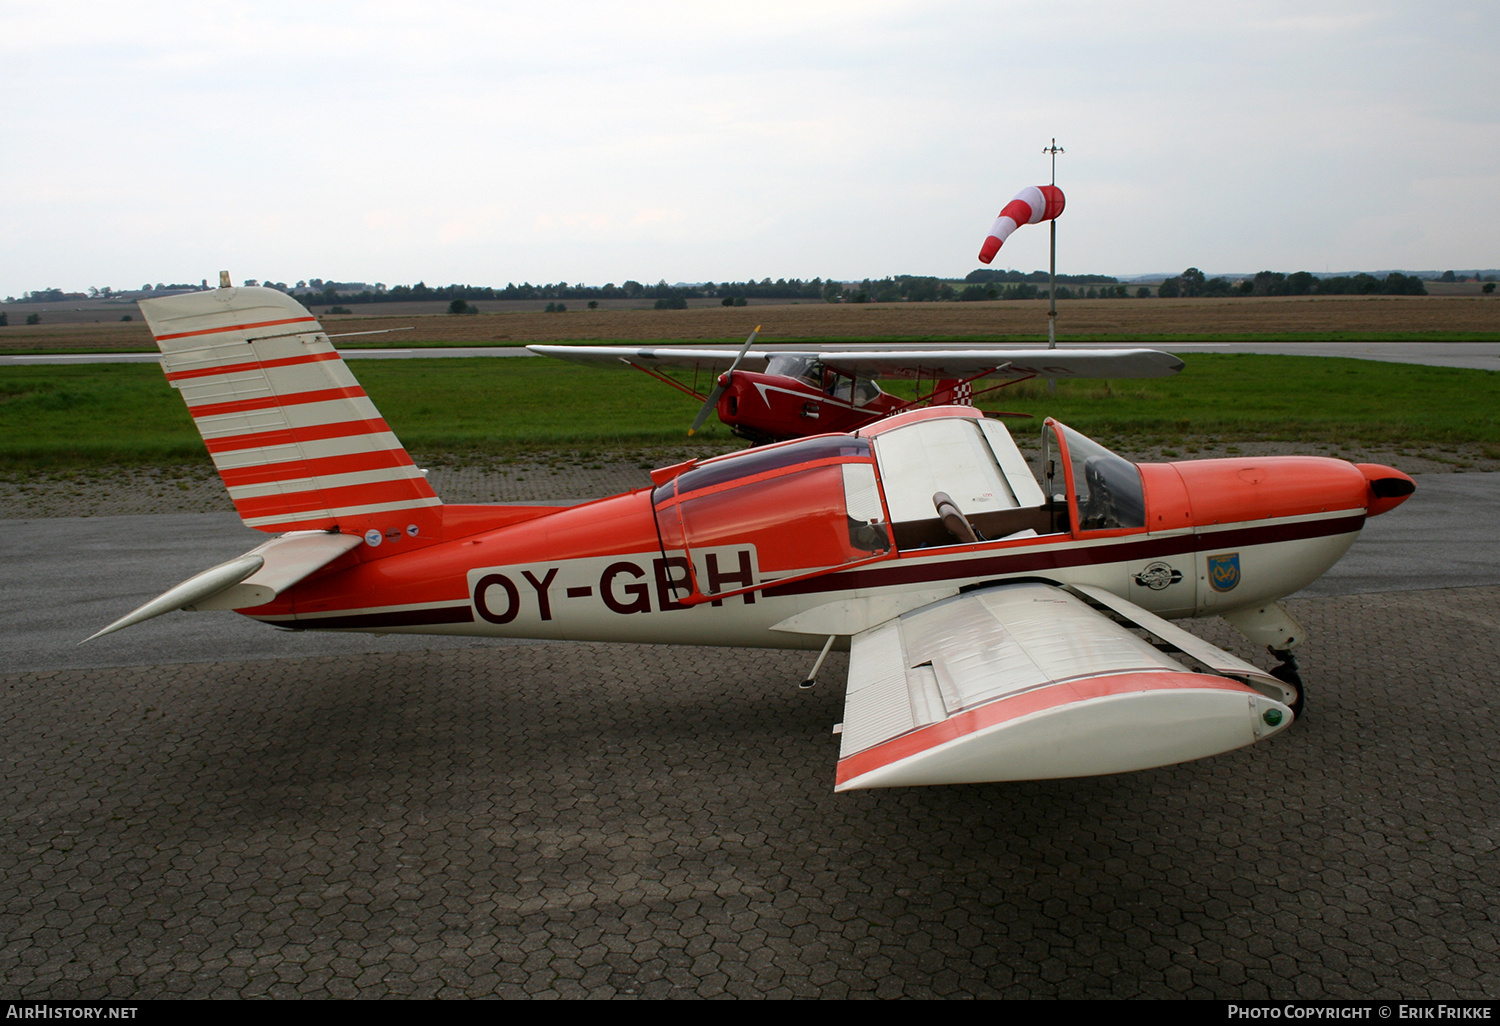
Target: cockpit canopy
<point>809,505</point>
<point>931,477</point>
<point>808,369</point>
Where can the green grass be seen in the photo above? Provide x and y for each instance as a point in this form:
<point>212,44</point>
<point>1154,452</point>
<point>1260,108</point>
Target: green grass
<point>121,414</point>
<point>1281,398</point>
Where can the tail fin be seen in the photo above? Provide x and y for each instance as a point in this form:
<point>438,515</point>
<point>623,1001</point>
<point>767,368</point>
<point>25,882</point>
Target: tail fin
<point>296,440</point>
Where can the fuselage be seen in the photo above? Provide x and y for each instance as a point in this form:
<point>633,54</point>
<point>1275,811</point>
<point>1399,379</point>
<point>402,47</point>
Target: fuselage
<point>749,550</point>
<point>773,406</point>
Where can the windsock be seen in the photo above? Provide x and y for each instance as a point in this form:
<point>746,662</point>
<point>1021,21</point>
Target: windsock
<point>1032,204</point>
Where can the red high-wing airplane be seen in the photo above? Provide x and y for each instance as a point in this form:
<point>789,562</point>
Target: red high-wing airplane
<point>1000,625</point>
<point>767,395</point>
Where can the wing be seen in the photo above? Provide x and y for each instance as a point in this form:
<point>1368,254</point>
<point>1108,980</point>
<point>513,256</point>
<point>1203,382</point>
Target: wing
<point>1016,363</point>
<point>895,363</point>
<point>1031,681</point>
<point>655,356</point>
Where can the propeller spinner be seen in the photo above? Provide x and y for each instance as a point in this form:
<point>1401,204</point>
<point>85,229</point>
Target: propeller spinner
<point>724,379</point>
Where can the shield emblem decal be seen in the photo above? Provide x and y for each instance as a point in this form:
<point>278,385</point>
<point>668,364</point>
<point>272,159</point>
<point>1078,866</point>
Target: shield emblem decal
<point>1224,571</point>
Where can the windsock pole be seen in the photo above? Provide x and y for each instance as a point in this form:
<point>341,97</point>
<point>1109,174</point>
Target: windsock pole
<point>1054,149</point>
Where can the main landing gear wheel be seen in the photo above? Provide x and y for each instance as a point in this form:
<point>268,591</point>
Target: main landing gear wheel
<point>1286,671</point>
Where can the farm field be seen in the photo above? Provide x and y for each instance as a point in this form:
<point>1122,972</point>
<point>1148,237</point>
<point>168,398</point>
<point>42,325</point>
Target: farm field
<point>1446,318</point>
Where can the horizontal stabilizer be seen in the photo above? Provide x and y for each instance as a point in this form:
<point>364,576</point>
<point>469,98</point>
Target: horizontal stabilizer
<point>253,579</point>
<point>1026,682</point>
<point>194,589</point>
<point>288,559</point>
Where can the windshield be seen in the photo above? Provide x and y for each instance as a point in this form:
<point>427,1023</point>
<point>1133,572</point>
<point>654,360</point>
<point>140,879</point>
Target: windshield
<point>802,366</point>
<point>1106,487</point>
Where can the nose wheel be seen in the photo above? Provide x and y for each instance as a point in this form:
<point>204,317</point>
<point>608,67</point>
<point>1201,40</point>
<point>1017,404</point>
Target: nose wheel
<point>1286,672</point>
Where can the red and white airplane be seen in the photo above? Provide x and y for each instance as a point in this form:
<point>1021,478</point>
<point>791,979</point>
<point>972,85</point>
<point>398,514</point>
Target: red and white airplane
<point>768,395</point>
<point>1001,625</point>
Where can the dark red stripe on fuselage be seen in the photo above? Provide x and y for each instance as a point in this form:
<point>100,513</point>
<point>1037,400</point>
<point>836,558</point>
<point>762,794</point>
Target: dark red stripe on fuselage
<point>1026,560</point>
<point>396,618</point>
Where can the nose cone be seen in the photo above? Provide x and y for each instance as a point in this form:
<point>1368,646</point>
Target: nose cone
<point>1267,488</point>
<point>735,386</point>
<point>1388,487</point>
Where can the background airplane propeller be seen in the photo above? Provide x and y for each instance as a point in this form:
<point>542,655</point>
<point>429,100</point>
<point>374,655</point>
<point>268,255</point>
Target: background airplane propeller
<point>724,379</point>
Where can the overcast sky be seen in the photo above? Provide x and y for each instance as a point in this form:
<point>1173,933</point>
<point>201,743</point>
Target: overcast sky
<point>575,141</point>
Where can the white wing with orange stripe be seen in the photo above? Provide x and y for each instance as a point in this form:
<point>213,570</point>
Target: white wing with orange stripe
<point>1027,681</point>
<point>296,440</point>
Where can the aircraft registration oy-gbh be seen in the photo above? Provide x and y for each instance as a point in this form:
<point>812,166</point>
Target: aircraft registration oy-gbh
<point>1001,624</point>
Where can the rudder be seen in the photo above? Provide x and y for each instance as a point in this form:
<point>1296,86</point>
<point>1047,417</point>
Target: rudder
<point>294,437</point>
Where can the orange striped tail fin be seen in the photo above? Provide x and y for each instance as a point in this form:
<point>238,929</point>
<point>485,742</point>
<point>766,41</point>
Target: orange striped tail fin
<point>298,443</point>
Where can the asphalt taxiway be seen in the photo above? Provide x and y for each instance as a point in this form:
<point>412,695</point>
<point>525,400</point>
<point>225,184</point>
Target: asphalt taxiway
<point>194,813</point>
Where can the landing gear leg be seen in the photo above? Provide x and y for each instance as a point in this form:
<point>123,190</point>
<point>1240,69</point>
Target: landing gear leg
<point>812,678</point>
<point>1286,671</point>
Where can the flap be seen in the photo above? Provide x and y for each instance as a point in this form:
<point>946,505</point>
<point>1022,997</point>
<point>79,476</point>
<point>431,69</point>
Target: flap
<point>858,612</point>
<point>1026,681</point>
<point>1169,634</point>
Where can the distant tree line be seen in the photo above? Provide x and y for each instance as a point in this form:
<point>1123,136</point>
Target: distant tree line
<point>982,276</point>
<point>1192,284</point>
<point>54,295</point>
<point>980,284</point>
<point>783,288</point>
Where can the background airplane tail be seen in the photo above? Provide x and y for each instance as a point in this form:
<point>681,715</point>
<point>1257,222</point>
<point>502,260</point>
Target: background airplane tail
<point>298,443</point>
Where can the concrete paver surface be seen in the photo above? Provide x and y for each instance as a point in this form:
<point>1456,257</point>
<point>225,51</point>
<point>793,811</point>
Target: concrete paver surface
<point>613,820</point>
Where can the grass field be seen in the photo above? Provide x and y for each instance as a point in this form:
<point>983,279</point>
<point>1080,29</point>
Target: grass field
<point>1451,318</point>
<point>126,415</point>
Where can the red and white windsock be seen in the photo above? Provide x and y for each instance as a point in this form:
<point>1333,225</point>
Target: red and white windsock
<point>1032,204</point>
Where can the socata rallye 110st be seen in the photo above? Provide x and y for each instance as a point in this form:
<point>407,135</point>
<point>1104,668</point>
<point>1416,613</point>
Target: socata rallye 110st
<point>1002,624</point>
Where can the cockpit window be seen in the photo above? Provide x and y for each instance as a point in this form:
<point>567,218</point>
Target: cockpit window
<point>856,391</point>
<point>809,370</point>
